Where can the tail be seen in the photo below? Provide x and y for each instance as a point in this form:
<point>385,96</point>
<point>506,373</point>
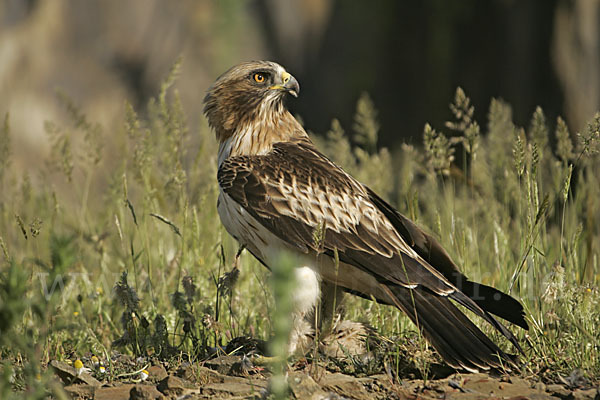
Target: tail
<point>458,340</point>
<point>495,302</point>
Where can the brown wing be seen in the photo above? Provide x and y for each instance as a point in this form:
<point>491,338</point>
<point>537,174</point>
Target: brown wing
<point>296,192</point>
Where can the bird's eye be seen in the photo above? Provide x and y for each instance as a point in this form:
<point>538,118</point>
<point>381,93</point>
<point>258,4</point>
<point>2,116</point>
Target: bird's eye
<point>258,77</point>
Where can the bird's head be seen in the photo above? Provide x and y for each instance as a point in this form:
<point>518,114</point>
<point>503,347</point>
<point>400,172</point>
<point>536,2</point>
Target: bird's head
<point>246,92</point>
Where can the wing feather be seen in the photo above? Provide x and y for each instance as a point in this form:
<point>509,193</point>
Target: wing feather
<point>294,190</point>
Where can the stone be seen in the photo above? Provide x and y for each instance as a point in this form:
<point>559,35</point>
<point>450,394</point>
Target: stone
<point>344,385</point>
<point>303,386</point>
<point>80,391</point>
<point>558,390</point>
<point>157,373</point>
<point>68,375</point>
<point>224,364</point>
<point>120,392</point>
<point>172,386</point>
<point>230,389</point>
<point>585,394</point>
<point>513,387</point>
<point>145,392</point>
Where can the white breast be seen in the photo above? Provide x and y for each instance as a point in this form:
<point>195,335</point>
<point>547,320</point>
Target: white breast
<point>248,231</point>
<point>268,247</point>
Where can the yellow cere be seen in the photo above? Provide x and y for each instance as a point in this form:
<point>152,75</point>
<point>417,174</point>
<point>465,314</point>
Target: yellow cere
<point>285,76</point>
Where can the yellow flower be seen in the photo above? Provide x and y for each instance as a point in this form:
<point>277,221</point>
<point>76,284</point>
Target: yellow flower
<point>95,361</point>
<point>78,367</point>
<point>101,369</point>
<point>75,313</point>
<point>144,375</point>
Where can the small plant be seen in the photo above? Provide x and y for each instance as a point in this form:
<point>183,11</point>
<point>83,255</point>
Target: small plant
<point>24,346</point>
<point>282,322</point>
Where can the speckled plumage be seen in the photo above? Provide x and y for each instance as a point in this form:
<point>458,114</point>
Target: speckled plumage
<point>277,191</point>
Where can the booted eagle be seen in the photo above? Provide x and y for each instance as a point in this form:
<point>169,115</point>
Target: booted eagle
<point>277,191</point>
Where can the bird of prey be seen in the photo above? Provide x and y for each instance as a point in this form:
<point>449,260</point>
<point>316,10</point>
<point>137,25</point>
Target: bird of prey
<point>278,192</point>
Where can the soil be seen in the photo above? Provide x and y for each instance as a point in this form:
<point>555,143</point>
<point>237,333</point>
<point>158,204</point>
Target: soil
<point>237,377</point>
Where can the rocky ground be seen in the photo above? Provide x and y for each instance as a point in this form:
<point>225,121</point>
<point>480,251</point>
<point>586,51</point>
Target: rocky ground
<point>236,377</point>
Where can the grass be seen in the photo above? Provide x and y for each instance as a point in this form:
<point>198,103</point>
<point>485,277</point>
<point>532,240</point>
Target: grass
<point>115,244</point>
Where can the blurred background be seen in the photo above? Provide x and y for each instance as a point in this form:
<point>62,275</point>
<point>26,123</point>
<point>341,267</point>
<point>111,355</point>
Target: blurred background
<point>408,55</point>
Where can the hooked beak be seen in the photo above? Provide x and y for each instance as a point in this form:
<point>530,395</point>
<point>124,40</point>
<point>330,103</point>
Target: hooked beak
<point>288,84</point>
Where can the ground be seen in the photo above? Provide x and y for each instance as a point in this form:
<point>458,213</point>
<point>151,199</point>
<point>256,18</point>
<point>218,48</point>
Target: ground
<point>237,377</point>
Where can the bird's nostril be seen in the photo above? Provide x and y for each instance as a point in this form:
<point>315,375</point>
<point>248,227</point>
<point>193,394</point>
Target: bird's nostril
<point>286,79</point>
